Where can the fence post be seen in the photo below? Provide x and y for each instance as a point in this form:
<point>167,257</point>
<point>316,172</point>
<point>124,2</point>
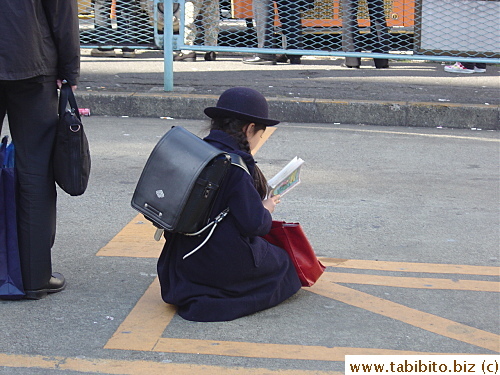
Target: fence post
<point>168,32</point>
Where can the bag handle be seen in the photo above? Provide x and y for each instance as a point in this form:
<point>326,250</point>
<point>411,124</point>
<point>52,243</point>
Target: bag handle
<point>67,96</point>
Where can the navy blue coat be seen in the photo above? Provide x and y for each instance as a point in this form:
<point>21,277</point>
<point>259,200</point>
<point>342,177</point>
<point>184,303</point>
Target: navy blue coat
<point>236,273</point>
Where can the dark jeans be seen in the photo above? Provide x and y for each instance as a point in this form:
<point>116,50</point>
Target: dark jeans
<point>31,108</point>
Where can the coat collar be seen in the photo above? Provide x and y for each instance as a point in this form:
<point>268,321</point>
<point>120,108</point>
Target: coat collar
<point>226,142</point>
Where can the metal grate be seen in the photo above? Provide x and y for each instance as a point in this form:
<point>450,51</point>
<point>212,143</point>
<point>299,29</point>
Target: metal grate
<point>108,24</point>
<point>444,30</point>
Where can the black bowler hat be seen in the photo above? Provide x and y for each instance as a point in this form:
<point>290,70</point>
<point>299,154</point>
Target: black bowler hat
<point>242,103</point>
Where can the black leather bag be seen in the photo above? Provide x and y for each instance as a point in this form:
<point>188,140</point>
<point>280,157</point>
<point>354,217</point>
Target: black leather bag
<point>179,182</point>
<point>71,159</point>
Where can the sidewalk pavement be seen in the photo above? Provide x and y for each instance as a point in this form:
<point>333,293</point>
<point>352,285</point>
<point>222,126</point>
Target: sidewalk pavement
<point>405,219</point>
<point>410,93</point>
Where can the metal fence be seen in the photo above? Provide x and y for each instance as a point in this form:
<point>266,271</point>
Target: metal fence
<point>283,30</point>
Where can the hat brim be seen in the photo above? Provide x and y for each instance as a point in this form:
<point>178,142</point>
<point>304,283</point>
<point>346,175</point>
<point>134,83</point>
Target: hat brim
<point>217,112</point>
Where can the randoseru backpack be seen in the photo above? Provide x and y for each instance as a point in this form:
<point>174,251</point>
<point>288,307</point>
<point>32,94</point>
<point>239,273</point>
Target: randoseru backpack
<point>179,183</point>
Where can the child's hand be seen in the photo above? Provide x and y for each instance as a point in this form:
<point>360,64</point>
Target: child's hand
<point>270,203</point>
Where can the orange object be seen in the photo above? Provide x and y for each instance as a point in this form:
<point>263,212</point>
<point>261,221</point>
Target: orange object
<point>401,13</point>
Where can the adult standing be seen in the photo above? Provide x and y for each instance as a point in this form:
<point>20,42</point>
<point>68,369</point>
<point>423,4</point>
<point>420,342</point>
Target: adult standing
<point>103,29</point>
<point>350,32</point>
<point>210,12</point>
<point>290,17</point>
<point>39,49</point>
<point>127,28</point>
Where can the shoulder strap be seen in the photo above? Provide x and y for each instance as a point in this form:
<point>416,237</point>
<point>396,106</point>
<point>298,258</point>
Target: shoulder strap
<point>66,96</point>
<point>238,161</point>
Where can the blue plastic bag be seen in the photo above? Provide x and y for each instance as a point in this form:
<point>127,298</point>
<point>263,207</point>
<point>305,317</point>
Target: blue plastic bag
<point>11,282</point>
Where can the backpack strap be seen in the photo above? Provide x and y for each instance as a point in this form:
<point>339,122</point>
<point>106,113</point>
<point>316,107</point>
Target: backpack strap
<point>212,224</point>
<point>238,161</point>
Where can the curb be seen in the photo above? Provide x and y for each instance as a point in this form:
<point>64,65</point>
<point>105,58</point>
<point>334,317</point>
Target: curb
<point>409,114</point>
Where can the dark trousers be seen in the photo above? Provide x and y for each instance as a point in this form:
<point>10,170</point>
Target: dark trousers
<point>291,22</point>
<point>31,108</point>
<point>290,16</point>
<point>128,28</point>
<point>350,30</point>
<point>469,65</point>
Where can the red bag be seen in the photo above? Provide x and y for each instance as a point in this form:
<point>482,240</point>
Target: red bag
<point>291,237</point>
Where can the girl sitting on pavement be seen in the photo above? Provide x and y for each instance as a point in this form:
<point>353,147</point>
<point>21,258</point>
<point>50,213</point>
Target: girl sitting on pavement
<point>236,273</point>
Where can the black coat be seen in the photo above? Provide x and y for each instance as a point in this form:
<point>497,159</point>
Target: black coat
<point>236,273</point>
<point>34,39</point>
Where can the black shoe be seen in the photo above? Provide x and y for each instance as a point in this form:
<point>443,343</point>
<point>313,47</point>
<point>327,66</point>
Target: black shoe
<point>56,284</point>
<point>191,56</point>
<point>259,61</point>
<point>210,56</point>
<point>381,63</point>
<point>282,58</point>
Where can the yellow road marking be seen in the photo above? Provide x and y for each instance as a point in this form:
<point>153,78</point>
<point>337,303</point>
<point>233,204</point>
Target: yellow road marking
<point>144,326</point>
<point>145,323</point>
<point>411,267</point>
<point>123,367</point>
<point>275,351</point>
<point>429,322</point>
<point>412,282</point>
<point>134,240</point>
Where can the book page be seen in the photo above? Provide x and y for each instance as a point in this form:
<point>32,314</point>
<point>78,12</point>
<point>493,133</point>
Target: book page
<point>286,179</point>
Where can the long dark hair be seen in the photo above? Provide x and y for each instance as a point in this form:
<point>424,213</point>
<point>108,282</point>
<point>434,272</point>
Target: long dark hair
<point>234,127</point>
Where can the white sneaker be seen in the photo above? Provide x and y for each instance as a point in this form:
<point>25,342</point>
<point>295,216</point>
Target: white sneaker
<point>479,70</point>
<point>457,68</point>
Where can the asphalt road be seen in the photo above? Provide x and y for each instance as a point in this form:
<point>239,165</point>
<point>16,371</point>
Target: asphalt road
<point>406,220</point>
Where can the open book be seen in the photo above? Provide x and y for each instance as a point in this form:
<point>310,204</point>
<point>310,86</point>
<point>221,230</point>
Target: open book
<point>286,179</point>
